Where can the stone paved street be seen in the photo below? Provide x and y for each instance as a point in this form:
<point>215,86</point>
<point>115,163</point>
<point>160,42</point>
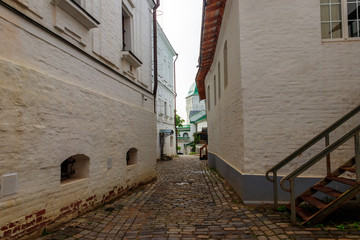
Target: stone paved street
<point>189,201</point>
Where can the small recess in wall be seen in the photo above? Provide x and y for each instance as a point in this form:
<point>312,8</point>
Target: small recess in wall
<point>109,163</point>
<point>9,184</point>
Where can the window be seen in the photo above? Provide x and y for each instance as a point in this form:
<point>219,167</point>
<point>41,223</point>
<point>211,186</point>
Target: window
<point>75,8</point>
<point>353,7</point>
<point>171,141</point>
<point>171,111</point>
<point>126,27</point>
<point>131,156</point>
<point>225,65</point>
<point>340,19</point>
<point>219,80</point>
<point>208,97</point>
<point>165,109</point>
<point>215,90</point>
<point>74,168</point>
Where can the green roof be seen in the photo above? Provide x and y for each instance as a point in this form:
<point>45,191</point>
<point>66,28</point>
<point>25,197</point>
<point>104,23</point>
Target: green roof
<point>183,138</point>
<point>184,128</point>
<point>193,91</point>
<point>198,117</point>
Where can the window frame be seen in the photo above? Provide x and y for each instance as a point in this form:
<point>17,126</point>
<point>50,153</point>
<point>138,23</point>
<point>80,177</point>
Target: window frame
<point>215,90</point>
<point>208,97</point>
<point>344,24</point>
<point>219,79</point>
<point>78,12</point>
<point>127,29</point>
<point>226,69</point>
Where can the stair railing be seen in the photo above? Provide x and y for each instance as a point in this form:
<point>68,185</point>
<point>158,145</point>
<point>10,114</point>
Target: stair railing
<point>323,135</point>
<point>203,152</point>
<point>292,176</point>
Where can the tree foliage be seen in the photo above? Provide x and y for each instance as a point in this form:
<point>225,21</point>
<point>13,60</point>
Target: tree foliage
<point>179,121</point>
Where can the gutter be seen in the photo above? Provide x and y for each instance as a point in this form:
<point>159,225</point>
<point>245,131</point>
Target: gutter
<point>176,138</point>
<point>155,52</point>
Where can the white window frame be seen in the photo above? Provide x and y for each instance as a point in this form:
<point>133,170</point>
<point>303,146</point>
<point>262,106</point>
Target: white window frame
<point>127,28</point>
<point>78,13</point>
<point>344,25</point>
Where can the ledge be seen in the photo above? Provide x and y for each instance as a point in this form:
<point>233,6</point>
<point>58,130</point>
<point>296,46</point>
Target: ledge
<point>78,13</point>
<point>70,181</point>
<point>131,58</point>
<point>183,138</point>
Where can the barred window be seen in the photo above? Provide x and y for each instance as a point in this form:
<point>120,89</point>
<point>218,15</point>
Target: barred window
<point>340,19</point>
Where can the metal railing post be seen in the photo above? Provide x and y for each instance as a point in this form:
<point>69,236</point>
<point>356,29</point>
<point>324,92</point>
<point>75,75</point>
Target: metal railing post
<point>328,163</point>
<point>275,189</point>
<point>357,155</point>
<point>292,202</point>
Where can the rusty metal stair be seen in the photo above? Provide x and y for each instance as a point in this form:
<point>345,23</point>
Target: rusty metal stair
<point>287,183</point>
<point>311,209</point>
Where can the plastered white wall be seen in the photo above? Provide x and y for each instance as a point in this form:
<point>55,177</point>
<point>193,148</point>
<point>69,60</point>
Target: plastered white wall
<point>165,99</point>
<point>285,85</point>
<point>57,102</point>
<point>225,120</point>
<point>294,85</point>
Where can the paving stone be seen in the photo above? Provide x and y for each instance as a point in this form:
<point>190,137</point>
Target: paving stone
<point>188,201</point>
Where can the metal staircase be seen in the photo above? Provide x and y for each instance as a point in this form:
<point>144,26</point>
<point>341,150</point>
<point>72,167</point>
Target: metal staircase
<point>308,206</point>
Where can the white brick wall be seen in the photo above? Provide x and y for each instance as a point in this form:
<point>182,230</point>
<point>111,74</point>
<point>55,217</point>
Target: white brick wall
<point>57,102</point>
<point>285,84</point>
<point>165,93</point>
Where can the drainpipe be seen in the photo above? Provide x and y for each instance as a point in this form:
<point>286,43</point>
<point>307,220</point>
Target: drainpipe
<point>176,139</point>
<point>155,52</point>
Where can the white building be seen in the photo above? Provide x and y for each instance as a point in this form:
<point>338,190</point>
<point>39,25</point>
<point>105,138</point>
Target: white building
<point>76,130</point>
<point>195,121</point>
<point>193,102</point>
<point>165,99</point>
<point>275,74</point>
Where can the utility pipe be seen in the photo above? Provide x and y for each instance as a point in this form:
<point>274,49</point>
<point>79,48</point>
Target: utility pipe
<point>176,138</point>
<point>155,52</point>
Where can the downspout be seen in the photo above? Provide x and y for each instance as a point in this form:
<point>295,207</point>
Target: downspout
<point>176,138</point>
<point>155,52</point>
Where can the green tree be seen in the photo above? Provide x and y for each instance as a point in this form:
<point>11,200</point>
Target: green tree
<point>179,121</point>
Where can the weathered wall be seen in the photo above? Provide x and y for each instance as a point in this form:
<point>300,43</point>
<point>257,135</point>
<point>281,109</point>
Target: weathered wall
<point>165,99</point>
<point>293,84</point>
<point>49,120</point>
<point>170,144</point>
<point>285,86</point>
<point>225,119</point>
<point>56,102</point>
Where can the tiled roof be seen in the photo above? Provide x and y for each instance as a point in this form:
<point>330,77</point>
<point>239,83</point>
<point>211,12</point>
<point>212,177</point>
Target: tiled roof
<point>213,11</point>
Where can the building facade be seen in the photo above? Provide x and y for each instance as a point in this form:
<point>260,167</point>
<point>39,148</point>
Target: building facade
<point>77,111</point>
<point>195,121</point>
<point>278,74</point>
<point>165,99</point>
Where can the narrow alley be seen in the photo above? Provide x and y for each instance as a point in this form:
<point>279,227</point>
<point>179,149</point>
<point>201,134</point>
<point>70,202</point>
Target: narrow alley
<point>188,201</point>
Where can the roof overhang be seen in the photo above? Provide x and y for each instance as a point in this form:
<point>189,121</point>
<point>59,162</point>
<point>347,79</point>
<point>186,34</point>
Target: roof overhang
<point>213,11</point>
<point>167,131</point>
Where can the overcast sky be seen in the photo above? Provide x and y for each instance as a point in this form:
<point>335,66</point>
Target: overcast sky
<point>181,22</point>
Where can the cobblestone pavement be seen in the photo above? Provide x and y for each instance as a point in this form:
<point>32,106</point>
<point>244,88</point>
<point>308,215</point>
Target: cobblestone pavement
<point>189,201</point>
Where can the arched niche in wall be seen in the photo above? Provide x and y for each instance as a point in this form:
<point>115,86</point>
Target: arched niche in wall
<point>74,168</point>
<point>131,156</point>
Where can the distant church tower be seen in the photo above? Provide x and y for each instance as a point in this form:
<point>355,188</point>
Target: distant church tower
<point>193,103</point>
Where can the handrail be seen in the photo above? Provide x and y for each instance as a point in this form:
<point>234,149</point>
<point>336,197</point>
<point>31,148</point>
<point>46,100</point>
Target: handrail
<point>201,151</point>
<point>318,157</point>
<point>312,142</point>
<point>317,138</point>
